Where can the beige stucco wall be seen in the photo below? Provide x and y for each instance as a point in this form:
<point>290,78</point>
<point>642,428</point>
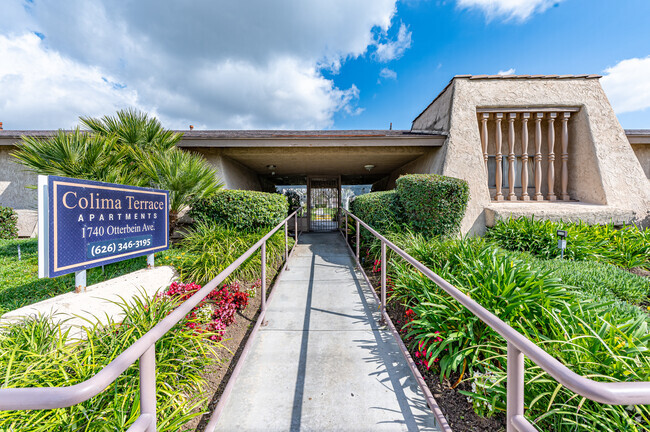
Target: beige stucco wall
<point>603,167</point>
<point>233,174</point>
<point>642,152</point>
<point>15,181</point>
<point>428,163</point>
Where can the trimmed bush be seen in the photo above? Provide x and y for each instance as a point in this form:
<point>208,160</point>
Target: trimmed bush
<point>241,209</point>
<point>380,210</point>
<point>8,223</point>
<point>433,204</point>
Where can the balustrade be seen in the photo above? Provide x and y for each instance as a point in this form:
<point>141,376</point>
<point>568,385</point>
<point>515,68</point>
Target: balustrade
<point>519,163</point>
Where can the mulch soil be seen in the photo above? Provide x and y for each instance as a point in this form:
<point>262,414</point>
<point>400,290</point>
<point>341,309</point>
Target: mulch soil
<point>446,390</point>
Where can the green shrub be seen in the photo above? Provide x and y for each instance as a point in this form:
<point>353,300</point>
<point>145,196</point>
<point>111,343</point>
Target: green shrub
<point>37,354</point>
<point>627,247</point>
<point>434,205</point>
<point>381,210</point>
<point>599,338</point>
<point>8,223</point>
<point>242,209</point>
<point>210,248</point>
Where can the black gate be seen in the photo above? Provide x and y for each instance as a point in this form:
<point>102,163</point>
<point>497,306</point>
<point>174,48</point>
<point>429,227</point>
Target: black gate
<point>324,201</point>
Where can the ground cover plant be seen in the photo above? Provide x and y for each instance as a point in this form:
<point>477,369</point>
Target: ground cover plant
<point>36,353</point>
<point>627,247</point>
<point>600,338</point>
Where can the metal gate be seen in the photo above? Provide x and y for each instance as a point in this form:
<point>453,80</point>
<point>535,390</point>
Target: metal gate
<point>323,199</point>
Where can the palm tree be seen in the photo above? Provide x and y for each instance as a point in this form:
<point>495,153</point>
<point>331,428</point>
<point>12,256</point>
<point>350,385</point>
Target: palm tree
<point>134,128</point>
<point>130,148</point>
<point>186,176</point>
<point>77,154</point>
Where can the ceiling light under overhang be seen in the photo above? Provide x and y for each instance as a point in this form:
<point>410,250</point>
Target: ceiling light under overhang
<point>369,167</point>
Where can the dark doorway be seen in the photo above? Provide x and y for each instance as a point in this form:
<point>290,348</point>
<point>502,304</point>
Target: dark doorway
<point>323,200</point>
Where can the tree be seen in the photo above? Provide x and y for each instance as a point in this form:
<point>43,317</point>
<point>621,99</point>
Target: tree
<point>130,148</point>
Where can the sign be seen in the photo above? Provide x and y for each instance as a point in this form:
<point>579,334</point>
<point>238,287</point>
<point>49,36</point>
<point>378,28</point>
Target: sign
<point>85,224</point>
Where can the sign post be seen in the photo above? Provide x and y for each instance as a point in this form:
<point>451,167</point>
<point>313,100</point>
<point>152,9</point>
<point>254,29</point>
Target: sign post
<point>84,224</point>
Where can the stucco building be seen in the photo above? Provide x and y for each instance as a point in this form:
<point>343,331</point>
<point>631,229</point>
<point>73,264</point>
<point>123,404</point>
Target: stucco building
<point>549,146</point>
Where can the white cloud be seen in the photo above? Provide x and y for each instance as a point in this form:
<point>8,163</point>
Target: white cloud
<point>519,10</point>
<point>510,71</point>
<point>40,88</point>
<point>394,49</point>
<point>253,64</point>
<point>627,85</point>
<point>388,73</point>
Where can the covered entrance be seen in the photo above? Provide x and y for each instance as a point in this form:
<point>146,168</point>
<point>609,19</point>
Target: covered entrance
<point>323,202</point>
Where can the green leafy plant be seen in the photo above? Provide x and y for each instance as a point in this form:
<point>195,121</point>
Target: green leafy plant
<point>36,353</point>
<point>77,154</point>
<point>241,209</point>
<point>130,148</point>
<point>599,337</point>
<point>626,247</point>
<point>433,204</point>
<point>210,248</point>
<point>381,210</point>
<point>8,223</point>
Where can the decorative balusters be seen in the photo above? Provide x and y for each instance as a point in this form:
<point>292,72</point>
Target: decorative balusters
<point>547,139</point>
<point>538,157</point>
<point>484,138</point>
<point>511,157</point>
<point>564,195</point>
<point>524,156</point>
<point>499,158</point>
<point>551,157</point>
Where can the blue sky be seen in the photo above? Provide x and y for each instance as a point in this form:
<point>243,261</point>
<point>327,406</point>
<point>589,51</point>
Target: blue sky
<point>571,37</point>
<point>296,64</point>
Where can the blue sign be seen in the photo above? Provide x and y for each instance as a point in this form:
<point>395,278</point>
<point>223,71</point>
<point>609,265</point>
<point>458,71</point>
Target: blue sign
<point>94,223</point>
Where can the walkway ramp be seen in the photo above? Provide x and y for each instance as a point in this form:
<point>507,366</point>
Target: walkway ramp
<point>321,361</point>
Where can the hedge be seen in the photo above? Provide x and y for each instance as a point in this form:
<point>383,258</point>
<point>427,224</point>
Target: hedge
<point>433,204</point>
<point>380,210</point>
<point>8,223</point>
<point>241,209</point>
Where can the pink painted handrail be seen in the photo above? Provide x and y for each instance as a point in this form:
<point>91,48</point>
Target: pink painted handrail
<point>143,349</point>
<point>613,393</point>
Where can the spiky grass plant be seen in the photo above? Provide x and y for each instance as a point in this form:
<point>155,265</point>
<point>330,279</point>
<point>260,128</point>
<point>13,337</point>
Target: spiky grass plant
<point>210,248</point>
<point>626,247</point>
<point>602,339</point>
<point>36,353</point>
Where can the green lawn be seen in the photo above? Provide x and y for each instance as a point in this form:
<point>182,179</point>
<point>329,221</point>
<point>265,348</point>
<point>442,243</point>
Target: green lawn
<point>20,285</point>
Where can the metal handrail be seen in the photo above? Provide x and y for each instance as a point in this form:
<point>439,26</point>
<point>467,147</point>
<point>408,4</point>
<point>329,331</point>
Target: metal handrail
<point>143,349</point>
<point>613,393</point>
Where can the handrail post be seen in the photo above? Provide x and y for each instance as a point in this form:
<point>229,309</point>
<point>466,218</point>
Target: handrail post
<point>358,258</point>
<point>383,265</point>
<point>295,227</point>
<point>147,367</point>
<point>263,254</point>
<point>286,242</point>
<point>346,227</point>
<point>515,386</point>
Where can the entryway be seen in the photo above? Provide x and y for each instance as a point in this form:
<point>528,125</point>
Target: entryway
<point>323,202</point>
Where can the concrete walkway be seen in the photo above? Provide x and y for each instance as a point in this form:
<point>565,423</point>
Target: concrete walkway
<point>321,362</point>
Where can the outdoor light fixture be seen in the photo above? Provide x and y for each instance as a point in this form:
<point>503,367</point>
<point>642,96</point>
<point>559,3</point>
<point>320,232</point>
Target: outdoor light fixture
<point>561,243</point>
<point>369,167</point>
<point>272,169</point>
